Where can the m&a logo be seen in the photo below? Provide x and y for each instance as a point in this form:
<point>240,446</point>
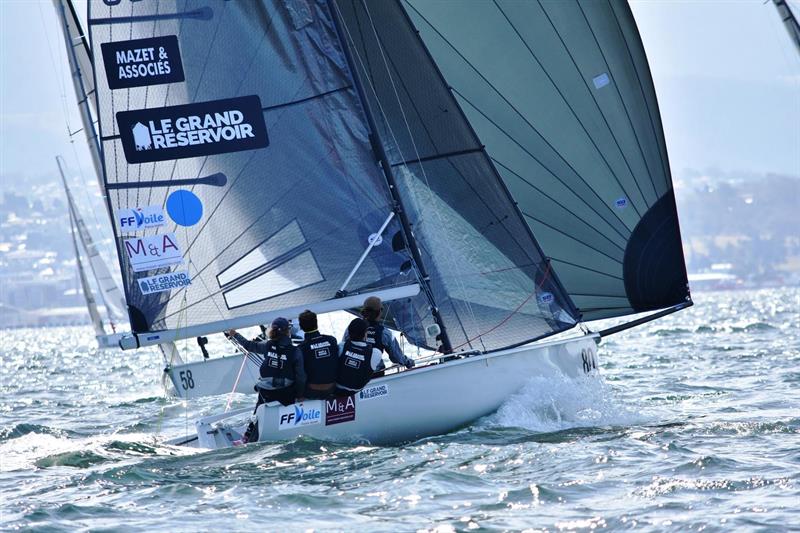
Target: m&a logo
<point>303,414</point>
<point>138,218</point>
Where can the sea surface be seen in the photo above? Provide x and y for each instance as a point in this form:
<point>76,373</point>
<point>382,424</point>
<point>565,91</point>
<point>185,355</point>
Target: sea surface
<point>693,426</point>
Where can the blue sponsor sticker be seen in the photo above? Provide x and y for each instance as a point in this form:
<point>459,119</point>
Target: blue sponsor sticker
<point>192,130</point>
<point>142,62</point>
<point>621,203</point>
<point>184,207</point>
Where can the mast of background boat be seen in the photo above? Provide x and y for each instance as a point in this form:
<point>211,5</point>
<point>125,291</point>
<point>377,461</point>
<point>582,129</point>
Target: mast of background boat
<point>377,147</point>
<point>789,20</point>
<point>78,53</point>
<point>76,45</point>
<point>91,303</point>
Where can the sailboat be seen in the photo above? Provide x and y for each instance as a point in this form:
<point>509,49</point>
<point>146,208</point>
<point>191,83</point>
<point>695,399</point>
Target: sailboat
<point>110,295</point>
<point>495,172</point>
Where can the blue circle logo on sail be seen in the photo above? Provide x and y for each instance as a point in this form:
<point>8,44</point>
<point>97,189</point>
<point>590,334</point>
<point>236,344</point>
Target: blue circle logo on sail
<point>184,207</point>
<point>621,203</point>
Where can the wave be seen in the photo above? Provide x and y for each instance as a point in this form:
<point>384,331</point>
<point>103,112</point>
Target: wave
<point>549,405</point>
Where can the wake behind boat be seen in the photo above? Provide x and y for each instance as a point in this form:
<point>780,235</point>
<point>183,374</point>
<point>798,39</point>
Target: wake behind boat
<point>495,171</point>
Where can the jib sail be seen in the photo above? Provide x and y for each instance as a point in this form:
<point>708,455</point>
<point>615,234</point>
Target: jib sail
<point>489,278</point>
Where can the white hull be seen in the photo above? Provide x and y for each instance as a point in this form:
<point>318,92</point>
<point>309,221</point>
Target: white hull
<point>213,376</point>
<point>412,404</point>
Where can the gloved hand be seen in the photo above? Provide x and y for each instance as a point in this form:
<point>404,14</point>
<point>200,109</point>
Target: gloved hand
<point>410,363</point>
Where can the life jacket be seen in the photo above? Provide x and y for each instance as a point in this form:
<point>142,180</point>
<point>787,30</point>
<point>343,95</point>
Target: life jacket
<point>320,358</point>
<point>278,363</point>
<point>375,336</point>
<point>355,366</point>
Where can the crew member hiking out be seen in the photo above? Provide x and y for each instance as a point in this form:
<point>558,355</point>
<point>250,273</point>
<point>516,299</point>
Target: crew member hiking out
<point>379,336</point>
<point>320,358</point>
<point>283,377</point>
<point>358,360</point>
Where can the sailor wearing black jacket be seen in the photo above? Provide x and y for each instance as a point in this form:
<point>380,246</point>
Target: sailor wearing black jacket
<point>358,360</point>
<point>379,336</point>
<point>320,358</point>
<point>283,377</point>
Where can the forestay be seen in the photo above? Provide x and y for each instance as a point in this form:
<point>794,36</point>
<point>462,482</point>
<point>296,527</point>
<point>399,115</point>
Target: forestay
<point>561,95</point>
<point>237,163</point>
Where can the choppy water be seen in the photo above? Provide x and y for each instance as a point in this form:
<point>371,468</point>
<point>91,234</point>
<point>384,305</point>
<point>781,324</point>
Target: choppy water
<point>696,426</point>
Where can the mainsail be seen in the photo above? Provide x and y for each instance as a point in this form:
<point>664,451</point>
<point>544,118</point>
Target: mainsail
<point>560,94</point>
<point>238,165</point>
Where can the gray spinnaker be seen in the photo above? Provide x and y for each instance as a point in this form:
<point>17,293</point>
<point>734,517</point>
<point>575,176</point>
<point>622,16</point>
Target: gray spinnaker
<point>490,281</point>
<point>275,221</point>
<point>560,94</point>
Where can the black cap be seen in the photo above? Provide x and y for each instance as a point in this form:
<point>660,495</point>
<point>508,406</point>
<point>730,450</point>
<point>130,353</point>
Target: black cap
<point>280,323</point>
<point>357,329</point>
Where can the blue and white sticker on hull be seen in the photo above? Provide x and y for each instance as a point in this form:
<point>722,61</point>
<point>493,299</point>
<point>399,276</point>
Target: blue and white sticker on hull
<point>374,391</point>
<point>306,413</point>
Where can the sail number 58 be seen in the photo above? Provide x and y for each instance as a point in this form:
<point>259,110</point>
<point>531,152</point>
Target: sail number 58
<point>187,382</point>
<point>589,358</point>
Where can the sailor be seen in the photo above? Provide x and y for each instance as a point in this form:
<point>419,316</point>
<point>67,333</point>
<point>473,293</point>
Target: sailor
<point>358,360</point>
<point>320,358</point>
<point>283,377</point>
<point>379,336</point>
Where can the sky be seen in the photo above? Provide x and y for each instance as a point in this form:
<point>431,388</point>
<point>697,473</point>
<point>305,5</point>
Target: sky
<point>726,75</point>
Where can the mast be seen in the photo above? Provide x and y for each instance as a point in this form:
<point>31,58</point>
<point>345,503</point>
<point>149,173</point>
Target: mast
<point>79,85</point>
<point>789,20</point>
<point>378,148</point>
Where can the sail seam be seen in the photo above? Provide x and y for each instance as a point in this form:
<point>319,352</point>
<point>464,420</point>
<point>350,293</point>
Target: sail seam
<point>545,167</point>
<point>586,268</point>
<point>559,204</point>
<point>446,155</point>
<point>570,236</point>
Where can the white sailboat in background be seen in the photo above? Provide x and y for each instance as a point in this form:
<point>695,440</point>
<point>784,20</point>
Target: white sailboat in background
<point>110,295</point>
<point>310,154</point>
